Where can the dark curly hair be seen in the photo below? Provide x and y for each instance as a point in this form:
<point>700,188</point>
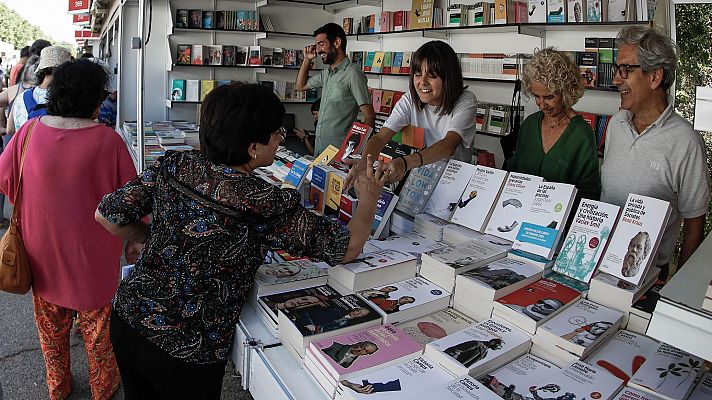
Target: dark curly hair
<point>235,116</point>
<point>77,89</point>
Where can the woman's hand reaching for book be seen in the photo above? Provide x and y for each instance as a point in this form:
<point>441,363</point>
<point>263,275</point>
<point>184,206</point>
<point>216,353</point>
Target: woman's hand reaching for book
<point>369,185</point>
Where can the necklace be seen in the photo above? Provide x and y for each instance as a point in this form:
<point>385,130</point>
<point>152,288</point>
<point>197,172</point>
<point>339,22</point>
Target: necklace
<point>552,126</point>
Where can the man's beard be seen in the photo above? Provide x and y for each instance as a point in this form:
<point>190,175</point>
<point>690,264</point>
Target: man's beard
<point>330,56</point>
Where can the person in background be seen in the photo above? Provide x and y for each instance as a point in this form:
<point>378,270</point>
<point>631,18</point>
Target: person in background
<point>32,102</point>
<point>650,149</point>
<point>304,135</point>
<point>344,87</point>
<point>213,222</point>
<point>437,102</point>
<point>17,68</point>
<point>555,142</point>
<point>37,46</point>
<point>74,261</point>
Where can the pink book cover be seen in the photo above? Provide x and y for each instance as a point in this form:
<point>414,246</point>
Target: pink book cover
<point>538,296</point>
<point>376,346</point>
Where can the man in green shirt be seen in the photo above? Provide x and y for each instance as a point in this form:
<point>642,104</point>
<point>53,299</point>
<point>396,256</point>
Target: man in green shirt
<point>344,87</point>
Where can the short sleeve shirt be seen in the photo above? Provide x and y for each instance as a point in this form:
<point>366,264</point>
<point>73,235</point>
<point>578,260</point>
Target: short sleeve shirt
<point>343,90</point>
<point>666,161</point>
<point>212,227</point>
<point>436,126</point>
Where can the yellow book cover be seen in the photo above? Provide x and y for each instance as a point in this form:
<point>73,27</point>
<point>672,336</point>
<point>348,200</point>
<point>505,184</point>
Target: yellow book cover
<point>421,14</point>
<point>334,189</point>
<point>205,87</point>
<point>378,61</point>
<point>326,156</point>
<point>500,11</point>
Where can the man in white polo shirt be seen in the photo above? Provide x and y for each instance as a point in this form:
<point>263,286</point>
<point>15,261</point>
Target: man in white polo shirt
<point>650,149</point>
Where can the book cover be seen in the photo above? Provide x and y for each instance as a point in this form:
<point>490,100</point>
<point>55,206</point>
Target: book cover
<point>299,298</point>
<point>464,256</point>
<point>278,57</point>
<point>543,225</point>
<point>387,101</point>
<point>447,192</point>
<point>376,95</point>
<point>182,18</point>
<point>214,54</point>
<point>297,173</point>
<point>411,242</point>
<point>289,271</point>
<point>207,20</point>
<point>623,354</point>
<point>421,14</point>
<point>347,207</point>
<point>396,64</point>
<point>334,188</point>
<point>319,187</point>
<point>581,326</point>
<point>368,63</point>
<point>498,278</point>
<point>703,390</point>
<point>419,187</point>
<point>669,372</point>
<point>192,90</point>
<point>362,350</point>
<point>254,56</point>
<point>455,15</point>
<point>290,58</point>
<point>377,66</point>
<point>195,18</point>
<point>475,206</point>
<point>220,20</point>
<point>513,205</point>
<point>266,54</point>
<point>537,11</point>
<point>436,325</point>
<point>241,55</point>
<point>576,11</point>
<point>379,259</point>
<point>330,314</point>
<point>206,86</point>
<point>540,300</point>
<point>515,379</point>
<point>634,243</point>
<point>387,63</point>
<point>355,140</point>
<point>178,91</point>
<point>228,55</point>
<point>496,119</point>
<point>357,59</point>
<point>384,207</point>
<point>471,350</point>
<point>556,11</point>
<point>586,239</point>
<point>347,24</point>
<point>464,387</point>
<point>183,54</point>
<point>631,394</point>
<point>197,54</point>
<point>405,66</point>
<point>408,294</point>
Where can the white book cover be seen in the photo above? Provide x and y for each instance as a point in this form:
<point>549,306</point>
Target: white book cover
<point>378,259</point>
<point>537,11</point>
<point>581,326</point>
<point>513,380</point>
<point>472,350</point>
<point>464,256</point>
<point>436,325</point>
<point>703,390</point>
<point>289,271</point>
<point>586,239</point>
<point>475,205</point>
<point>513,205</point>
<point>542,227</point>
<point>403,381</point>
<point>464,387</point>
<point>634,243</point>
<point>498,278</point>
<point>632,394</point>
<point>668,372</point>
<point>623,354</point>
<point>449,188</point>
<point>410,294</point>
<point>616,10</point>
<point>576,11</point>
<point>412,242</point>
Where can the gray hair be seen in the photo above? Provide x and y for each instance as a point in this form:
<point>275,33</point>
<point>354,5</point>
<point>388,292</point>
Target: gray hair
<point>28,72</point>
<point>557,71</point>
<point>655,50</point>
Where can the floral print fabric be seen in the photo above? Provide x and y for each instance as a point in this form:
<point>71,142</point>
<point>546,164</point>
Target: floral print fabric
<point>212,227</point>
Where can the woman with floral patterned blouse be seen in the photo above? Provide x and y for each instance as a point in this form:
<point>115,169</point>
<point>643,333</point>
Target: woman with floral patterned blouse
<point>213,221</point>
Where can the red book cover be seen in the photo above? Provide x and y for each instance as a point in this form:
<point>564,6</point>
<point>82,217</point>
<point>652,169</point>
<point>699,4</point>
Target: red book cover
<point>398,23</point>
<point>396,96</point>
<point>536,298</point>
<point>355,139</point>
<point>347,207</point>
<point>590,118</point>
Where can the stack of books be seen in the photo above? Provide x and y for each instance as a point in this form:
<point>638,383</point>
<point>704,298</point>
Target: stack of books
<point>436,325</point>
<point>406,300</point>
<point>287,276</point>
<point>371,269</point>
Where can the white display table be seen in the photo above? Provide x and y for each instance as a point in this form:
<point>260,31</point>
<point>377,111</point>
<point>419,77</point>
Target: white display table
<point>678,318</point>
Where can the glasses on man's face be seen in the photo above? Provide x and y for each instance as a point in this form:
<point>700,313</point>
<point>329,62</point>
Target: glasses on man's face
<point>624,69</point>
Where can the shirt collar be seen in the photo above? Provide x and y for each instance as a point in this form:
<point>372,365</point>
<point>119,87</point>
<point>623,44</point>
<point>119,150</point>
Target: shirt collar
<point>342,65</point>
<point>627,118</point>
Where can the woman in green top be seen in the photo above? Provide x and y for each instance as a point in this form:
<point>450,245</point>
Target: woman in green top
<point>556,143</point>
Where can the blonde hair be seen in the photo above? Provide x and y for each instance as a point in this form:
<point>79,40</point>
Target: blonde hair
<point>557,71</point>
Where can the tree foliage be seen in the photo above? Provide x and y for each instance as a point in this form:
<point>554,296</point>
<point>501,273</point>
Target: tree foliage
<point>17,31</point>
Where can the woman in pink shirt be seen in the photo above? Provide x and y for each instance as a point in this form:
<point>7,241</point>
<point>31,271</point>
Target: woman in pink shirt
<point>70,163</point>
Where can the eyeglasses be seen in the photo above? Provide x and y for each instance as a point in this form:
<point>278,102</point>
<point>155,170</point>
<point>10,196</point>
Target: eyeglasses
<point>624,69</point>
<point>282,132</point>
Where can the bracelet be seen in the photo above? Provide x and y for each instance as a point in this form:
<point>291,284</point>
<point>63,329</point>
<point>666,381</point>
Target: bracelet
<point>405,162</point>
<point>421,158</point>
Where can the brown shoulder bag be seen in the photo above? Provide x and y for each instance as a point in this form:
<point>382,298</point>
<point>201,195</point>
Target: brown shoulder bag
<point>15,273</point>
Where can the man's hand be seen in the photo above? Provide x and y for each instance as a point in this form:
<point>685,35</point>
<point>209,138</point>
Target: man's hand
<point>300,133</point>
<point>310,52</point>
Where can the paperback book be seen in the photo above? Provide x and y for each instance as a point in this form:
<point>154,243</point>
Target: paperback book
<point>296,299</point>
<point>669,373</point>
<point>624,354</point>
<point>289,275</point>
<point>447,192</point>
<point>703,390</point>
<point>543,225</point>
<point>406,300</point>
<point>513,205</point>
<point>474,207</point>
<point>356,138</point>
<point>442,265</point>
<point>498,278</point>
<point>436,325</point>
<point>632,394</point>
<point>419,187</point>
<point>634,243</point>
<point>515,379</point>
<point>534,304</point>
<point>373,269</point>
<point>586,239</point>
<point>413,243</point>
<point>479,348</point>
<point>464,387</point>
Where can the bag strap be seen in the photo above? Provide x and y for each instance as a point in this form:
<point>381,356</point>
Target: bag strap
<point>22,166</point>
